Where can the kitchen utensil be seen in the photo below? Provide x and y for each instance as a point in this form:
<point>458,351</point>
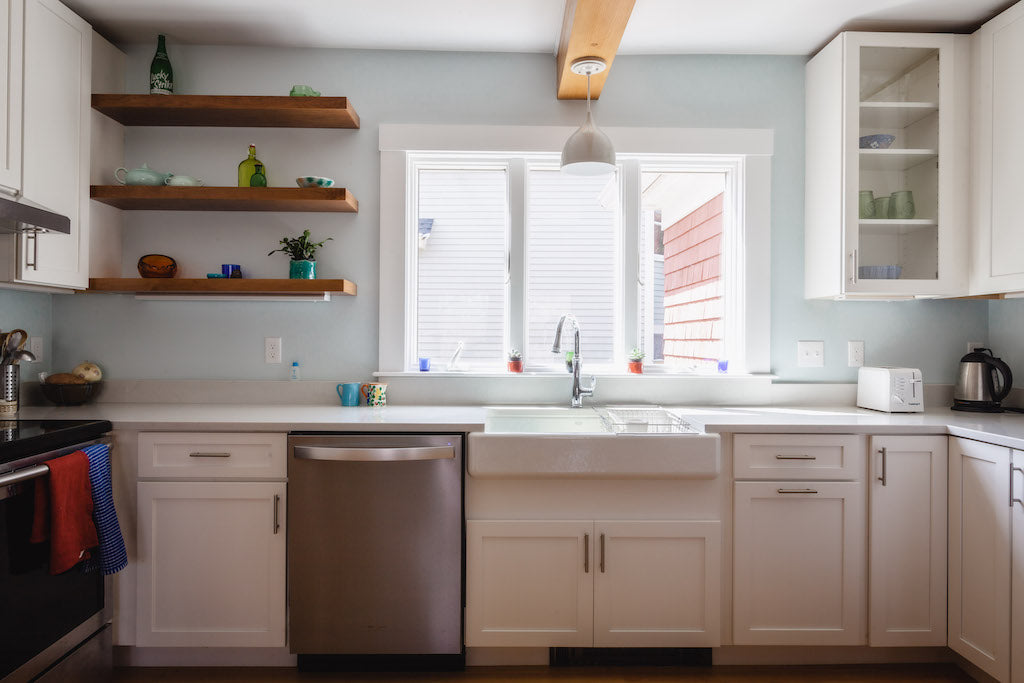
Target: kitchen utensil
<point>348,392</point>
<point>143,175</point>
<point>375,394</point>
<point>157,265</point>
<point>14,341</point>
<point>9,389</point>
<point>982,383</point>
<point>183,181</point>
<point>17,356</point>
<point>879,141</point>
<point>314,181</point>
<point>866,204</point>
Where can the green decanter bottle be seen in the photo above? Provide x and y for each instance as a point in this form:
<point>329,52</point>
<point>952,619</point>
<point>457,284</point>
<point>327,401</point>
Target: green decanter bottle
<point>258,179</point>
<point>247,169</point>
<point>161,77</point>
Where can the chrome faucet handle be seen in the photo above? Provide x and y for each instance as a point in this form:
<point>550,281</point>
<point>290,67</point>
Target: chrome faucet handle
<point>589,391</point>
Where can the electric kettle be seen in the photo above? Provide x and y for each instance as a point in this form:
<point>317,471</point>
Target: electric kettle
<point>983,382</point>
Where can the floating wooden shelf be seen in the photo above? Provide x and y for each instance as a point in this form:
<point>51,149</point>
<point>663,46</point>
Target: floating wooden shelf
<point>228,111</point>
<point>166,198</point>
<point>222,286</point>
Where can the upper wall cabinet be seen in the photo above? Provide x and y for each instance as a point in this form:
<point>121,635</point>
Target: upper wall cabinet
<point>885,205</point>
<point>54,138</point>
<point>12,15</point>
<point>997,142</point>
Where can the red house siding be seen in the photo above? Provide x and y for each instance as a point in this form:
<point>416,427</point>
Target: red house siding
<point>693,287</point>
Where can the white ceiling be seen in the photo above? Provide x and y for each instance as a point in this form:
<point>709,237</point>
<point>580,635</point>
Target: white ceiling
<point>657,26</point>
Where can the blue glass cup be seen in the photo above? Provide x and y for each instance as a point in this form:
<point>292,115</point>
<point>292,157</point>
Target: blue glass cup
<point>424,364</point>
<point>348,392</point>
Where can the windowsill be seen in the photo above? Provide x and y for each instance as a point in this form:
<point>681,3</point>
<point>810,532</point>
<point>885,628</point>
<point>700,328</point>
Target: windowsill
<point>484,374</point>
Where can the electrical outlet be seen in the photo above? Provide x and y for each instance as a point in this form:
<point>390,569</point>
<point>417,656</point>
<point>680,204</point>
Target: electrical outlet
<point>35,345</point>
<point>855,354</point>
<point>810,354</point>
<point>272,349</point>
<point>974,345</point>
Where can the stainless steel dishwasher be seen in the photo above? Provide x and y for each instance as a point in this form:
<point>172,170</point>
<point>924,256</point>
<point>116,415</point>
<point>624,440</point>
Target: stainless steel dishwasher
<point>375,550</point>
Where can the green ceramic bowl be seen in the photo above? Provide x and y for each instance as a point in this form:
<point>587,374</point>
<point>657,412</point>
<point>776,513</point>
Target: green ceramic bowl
<point>313,181</point>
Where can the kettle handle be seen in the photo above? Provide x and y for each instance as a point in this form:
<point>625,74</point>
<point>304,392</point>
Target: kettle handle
<point>1007,383</point>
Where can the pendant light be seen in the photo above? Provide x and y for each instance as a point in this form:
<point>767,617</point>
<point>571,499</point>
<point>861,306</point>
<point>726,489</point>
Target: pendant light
<point>588,151</point>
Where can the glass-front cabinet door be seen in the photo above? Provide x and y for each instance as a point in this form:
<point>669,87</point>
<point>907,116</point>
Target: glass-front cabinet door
<point>903,200</point>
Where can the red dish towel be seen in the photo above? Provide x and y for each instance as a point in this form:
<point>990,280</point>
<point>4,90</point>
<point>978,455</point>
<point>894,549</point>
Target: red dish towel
<point>63,512</point>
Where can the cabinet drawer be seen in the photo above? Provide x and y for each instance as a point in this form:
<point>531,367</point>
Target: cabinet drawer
<point>798,456</point>
<point>197,455</point>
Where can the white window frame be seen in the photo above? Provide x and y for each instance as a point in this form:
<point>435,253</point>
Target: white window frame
<point>743,154</point>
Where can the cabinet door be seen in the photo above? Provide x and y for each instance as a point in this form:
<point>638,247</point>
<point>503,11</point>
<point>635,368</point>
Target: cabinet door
<point>11,24</point>
<point>799,563</point>
<point>58,74</point>
<point>979,554</point>
<point>211,569</point>
<point>1017,566</point>
<point>907,532</point>
<point>529,583</point>
<point>997,143</point>
<point>657,584</point>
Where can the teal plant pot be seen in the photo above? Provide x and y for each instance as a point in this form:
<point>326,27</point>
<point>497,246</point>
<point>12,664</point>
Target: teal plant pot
<point>302,270</point>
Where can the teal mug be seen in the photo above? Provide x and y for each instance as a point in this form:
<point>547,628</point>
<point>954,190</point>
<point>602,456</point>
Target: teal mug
<point>348,392</point>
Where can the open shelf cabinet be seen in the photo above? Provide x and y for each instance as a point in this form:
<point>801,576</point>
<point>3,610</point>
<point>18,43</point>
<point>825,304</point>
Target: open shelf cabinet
<point>166,198</point>
<point>228,111</point>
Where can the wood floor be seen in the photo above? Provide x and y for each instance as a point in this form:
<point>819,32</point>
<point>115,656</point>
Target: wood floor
<point>895,673</point>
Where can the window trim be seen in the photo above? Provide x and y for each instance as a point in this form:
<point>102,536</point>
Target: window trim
<point>751,149</point>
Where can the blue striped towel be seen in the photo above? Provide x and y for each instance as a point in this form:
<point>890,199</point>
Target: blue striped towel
<point>112,556</point>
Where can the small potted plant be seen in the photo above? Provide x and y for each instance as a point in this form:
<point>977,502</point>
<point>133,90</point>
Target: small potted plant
<point>515,360</point>
<point>636,361</point>
<point>303,253</point>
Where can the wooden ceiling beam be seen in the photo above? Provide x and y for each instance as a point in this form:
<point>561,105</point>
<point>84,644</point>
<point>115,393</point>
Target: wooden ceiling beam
<point>590,28</point>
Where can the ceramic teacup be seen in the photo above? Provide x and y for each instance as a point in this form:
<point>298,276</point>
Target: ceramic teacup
<point>183,180</point>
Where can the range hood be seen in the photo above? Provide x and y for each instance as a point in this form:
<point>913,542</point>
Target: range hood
<point>18,217</point>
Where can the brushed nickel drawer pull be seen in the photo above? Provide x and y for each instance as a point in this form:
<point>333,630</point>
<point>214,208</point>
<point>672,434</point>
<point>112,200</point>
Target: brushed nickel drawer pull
<point>602,553</point>
<point>586,553</point>
<point>209,455</point>
<point>796,457</point>
<point>883,478</point>
<point>1012,498</point>
<point>277,507</point>
<point>797,490</point>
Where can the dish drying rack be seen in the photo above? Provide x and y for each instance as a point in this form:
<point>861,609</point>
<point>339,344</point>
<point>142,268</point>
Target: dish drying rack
<point>643,420</point>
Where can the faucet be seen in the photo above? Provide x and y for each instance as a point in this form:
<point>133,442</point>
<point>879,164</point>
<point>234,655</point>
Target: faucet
<point>578,390</point>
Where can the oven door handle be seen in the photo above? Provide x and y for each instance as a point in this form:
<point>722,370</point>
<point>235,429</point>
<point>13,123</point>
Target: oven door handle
<point>25,474</point>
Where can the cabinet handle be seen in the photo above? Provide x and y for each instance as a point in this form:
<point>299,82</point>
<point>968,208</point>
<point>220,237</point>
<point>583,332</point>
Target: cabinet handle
<point>602,553</point>
<point>209,455</point>
<point>586,553</point>
<point>853,267</point>
<point>797,490</point>
<point>34,236</point>
<point>884,479</point>
<point>277,507</point>
<point>796,457</point>
<point>1012,499</point>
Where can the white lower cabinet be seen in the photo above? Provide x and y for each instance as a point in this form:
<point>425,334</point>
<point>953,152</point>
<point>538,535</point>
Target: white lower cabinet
<point>907,531</point>
<point>799,549</point>
<point>979,555</point>
<point>211,564</point>
<point>586,583</point>
<point>1017,566</point>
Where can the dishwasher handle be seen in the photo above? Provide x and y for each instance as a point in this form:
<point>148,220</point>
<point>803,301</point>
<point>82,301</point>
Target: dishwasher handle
<point>374,453</point>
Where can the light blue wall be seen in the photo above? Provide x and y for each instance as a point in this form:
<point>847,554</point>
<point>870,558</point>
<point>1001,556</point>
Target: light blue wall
<point>1006,334</point>
<point>33,313</point>
<point>338,340</point>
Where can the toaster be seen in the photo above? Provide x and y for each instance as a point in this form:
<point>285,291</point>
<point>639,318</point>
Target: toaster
<point>891,390</point>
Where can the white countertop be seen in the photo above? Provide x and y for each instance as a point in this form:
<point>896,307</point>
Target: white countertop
<point>1005,429</point>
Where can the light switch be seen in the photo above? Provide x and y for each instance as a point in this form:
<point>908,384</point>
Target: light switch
<point>810,354</point>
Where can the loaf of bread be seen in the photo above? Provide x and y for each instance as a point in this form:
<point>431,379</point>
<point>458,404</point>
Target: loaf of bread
<point>64,378</point>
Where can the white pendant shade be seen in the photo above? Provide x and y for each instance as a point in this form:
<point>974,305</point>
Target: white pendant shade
<point>588,151</point>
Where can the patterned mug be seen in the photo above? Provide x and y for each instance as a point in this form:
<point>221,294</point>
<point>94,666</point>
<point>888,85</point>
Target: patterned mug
<point>375,394</point>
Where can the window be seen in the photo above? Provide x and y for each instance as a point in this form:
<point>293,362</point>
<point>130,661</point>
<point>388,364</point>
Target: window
<point>497,246</point>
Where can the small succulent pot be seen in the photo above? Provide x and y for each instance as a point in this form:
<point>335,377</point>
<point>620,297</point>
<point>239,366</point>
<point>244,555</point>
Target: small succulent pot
<point>302,270</point>
<point>515,366</point>
<point>636,367</point>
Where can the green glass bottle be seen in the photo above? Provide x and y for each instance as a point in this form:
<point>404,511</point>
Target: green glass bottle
<point>258,179</point>
<point>161,77</point>
<point>247,168</point>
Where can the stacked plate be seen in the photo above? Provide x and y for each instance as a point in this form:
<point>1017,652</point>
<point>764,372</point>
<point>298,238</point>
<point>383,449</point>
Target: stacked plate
<point>879,272</point>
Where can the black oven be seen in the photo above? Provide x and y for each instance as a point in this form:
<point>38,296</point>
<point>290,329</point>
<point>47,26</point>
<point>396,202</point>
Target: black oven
<point>53,628</point>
